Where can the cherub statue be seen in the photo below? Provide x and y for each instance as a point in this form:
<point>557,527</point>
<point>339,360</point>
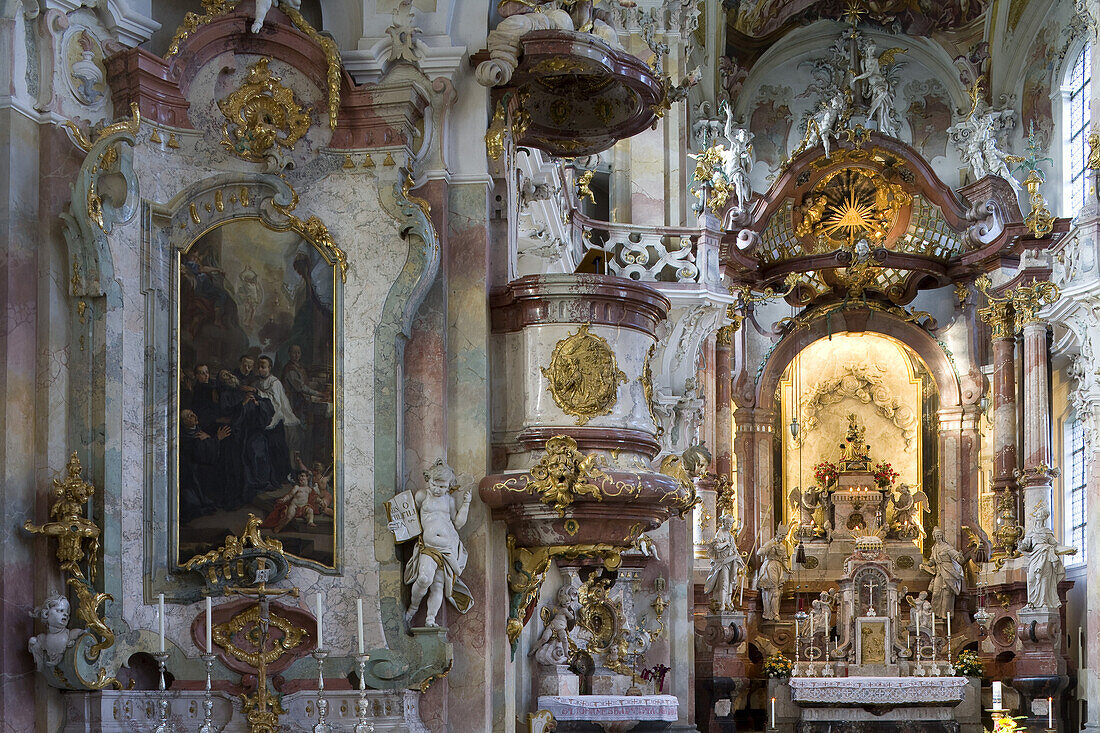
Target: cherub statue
<point>822,125</point>
<point>811,508</point>
<point>262,8</point>
<point>821,611</point>
<point>905,513</point>
<point>48,648</point>
<point>1044,561</point>
<point>773,572</point>
<point>439,556</point>
<point>726,564</point>
<point>552,646</point>
<point>944,564</point>
<point>920,610</point>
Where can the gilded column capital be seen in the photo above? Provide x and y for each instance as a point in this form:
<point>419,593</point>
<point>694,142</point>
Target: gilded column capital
<point>1027,300</point>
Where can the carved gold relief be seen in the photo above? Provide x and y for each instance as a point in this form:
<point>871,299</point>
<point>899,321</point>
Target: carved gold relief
<point>584,376</point>
<point>223,634</point>
<point>1009,313</point>
<point>647,386</point>
<point>77,538</point>
<point>71,528</point>
<point>220,565</point>
<point>851,204</point>
<point>261,114</point>
<point>1094,152</point>
<point>564,473</point>
<point>1040,222</point>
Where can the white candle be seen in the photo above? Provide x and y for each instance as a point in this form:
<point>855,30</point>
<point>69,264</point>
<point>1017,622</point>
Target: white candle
<point>1050,712</point>
<point>320,623</point>
<point>796,645</point>
<point>773,712</point>
<point>811,628</point>
<point>160,604</point>
<point>359,626</point>
<point>998,697</point>
<point>918,635</point>
<point>209,627</point>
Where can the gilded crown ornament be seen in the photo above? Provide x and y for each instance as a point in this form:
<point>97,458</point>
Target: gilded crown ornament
<point>584,376</point>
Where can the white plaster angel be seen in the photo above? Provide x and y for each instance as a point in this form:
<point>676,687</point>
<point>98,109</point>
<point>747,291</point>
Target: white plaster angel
<point>920,610</point>
<point>263,6</point>
<point>878,87</point>
<point>552,647</point>
<point>1045,568</point>
<point>980,151</point>
<point>773,572</point>
<point>49,648</point>
<point>726,564</point>
<point>737,161</point>
<point>439,556</point>
<point>821,612</point>
<point>809,504</point>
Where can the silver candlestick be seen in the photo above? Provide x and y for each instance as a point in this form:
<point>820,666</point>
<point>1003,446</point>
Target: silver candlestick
<point>163,726</point>
<point>208,725</point>
<point>322,725</point>
<point>363,725</point>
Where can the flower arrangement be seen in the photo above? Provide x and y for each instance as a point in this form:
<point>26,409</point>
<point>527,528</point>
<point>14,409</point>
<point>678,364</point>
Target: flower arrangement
<point>969,664</point>
<point>1007,724</point>
<point>777,666</point>
<point>826,473</point>
<point>884,474</point>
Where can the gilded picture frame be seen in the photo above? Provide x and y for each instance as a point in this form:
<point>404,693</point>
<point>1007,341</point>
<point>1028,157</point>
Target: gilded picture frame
<point>257,369</point>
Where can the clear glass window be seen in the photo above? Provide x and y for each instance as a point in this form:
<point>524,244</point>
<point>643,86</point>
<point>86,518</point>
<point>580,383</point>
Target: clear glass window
<point>1074,479</point>
<point>1076,89</point>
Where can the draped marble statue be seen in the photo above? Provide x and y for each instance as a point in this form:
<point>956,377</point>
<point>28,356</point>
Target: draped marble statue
<point>726,565</point>
<point>944,564</point>
<point>773,571</point>
<point>1044,561</point>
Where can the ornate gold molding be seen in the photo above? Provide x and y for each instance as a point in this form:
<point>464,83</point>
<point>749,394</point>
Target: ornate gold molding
<point>316,232</point>
<point>527,568</point>
<point>227,563</point>
<point>1009,313</point>
<point>1040,222</point>
<point>261,114</point>
<point>584,376</point>
<point>564,472</point>
<point>85,143</point>
<point>647,386</point>
<point>224,632</point>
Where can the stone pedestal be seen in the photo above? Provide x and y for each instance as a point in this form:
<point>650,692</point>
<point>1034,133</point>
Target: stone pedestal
<point>1041,667</point>
<point>557,680</point>
<point>855,500</point>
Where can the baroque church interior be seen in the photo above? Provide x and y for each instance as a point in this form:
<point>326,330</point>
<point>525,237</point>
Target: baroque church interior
<point>524,365</point>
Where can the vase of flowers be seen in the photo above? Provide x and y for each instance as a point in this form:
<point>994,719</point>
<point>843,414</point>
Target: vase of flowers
<point>826,473</point>
<point>777,666</point>
<point>969,664</point>
<point>884,475</point>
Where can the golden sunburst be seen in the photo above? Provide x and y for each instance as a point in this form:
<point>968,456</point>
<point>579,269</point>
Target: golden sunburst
<point>852,215</point>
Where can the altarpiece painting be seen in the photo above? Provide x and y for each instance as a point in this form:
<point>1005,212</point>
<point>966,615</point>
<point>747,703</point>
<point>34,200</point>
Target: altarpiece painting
<point>256,356</point>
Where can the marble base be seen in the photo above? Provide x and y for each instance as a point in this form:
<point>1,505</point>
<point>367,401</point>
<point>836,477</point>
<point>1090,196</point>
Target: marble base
<point>878,692</point>
<point>111,711</point>
<point>605,682</point>
<point>558,680</point>
<point>611,712</point>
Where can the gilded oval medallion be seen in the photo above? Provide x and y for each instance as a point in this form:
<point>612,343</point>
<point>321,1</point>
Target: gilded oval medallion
<point>584,376</point>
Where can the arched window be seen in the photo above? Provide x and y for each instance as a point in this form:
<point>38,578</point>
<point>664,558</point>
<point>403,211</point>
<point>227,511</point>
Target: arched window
<point>1075,91</point>
<point>1073,485</point>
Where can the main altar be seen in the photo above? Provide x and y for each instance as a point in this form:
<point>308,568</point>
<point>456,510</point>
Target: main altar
<point>844,605</point>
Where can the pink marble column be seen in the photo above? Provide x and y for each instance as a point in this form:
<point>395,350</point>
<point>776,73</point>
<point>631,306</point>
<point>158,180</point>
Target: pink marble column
<point>723,414</point>
<point>1037,477</point>
<point>1004,421</point>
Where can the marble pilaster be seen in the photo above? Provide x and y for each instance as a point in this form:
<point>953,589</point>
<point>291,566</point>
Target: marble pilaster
<point>752,443</point>
<point>1004,418</point>
<point>1037,460</point>
<point>723,401</point>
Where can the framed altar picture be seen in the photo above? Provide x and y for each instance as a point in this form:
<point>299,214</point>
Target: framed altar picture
<point>257,384</point>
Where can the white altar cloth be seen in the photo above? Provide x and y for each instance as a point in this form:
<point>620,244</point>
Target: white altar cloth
<point>862,691</point>
<point>610,707</point>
